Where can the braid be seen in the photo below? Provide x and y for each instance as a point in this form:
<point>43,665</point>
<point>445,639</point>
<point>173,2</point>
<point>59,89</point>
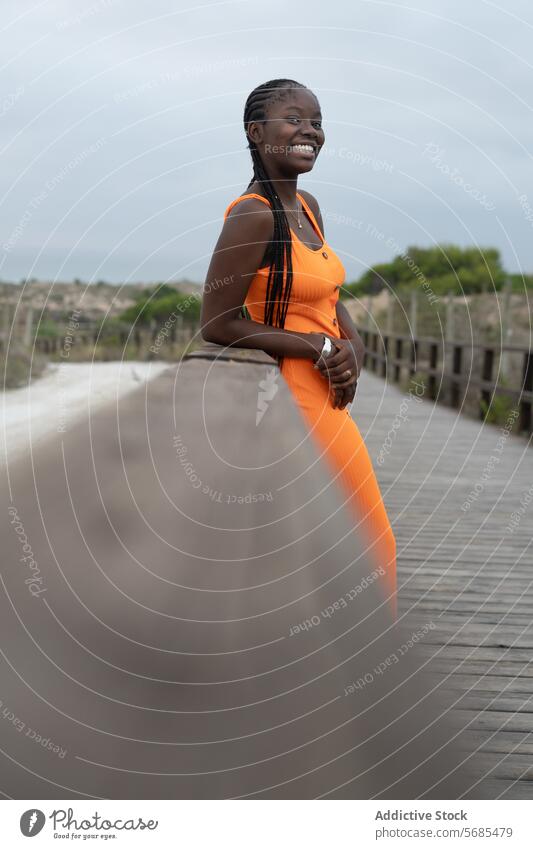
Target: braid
<point>279,250</point>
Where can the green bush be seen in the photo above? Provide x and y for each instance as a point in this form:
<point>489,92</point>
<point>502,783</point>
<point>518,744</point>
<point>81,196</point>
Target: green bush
<point>443,268</point>
<point>521,283</point>
<point>409,384</point>
<point>498,410</point>
<point>159,303</point>
<point>18,364</point>
<point>49,329</point>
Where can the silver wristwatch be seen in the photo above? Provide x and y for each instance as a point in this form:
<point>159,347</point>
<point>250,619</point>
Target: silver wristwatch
<point>327,348</point>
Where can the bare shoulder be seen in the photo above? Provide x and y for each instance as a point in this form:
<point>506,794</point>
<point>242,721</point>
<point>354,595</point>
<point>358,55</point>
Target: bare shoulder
<point>251,208</point>
<point>314,206</point>
<point>250,217</point>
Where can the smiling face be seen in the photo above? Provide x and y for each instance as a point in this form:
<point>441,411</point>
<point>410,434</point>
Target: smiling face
<point>290,138</point>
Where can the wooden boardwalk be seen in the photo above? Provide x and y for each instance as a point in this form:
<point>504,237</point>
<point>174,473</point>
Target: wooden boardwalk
<point>451,485</point>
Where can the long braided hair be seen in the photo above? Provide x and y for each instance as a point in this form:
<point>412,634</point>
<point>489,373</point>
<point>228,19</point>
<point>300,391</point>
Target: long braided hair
<point>279,251</point>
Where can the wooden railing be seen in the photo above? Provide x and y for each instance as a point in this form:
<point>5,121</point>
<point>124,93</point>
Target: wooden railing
<point>145,342</point>
<point>462,375</point>
<point>258,618</point>
<point>21,326</point>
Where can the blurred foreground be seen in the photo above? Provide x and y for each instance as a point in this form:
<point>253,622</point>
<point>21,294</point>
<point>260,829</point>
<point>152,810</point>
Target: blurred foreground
<point>188,612</point>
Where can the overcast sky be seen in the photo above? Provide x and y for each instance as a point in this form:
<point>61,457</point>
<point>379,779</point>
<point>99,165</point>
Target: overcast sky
<point>122,138</point>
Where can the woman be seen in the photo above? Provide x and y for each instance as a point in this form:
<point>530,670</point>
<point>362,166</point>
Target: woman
<point>283,297</point>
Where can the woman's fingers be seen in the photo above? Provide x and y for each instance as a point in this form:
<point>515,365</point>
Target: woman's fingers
<point>342,372</point>
<point>342,397</point>
<point>336,370</point>
<point>333,360</point>
<point>336,357</point>
<point>340,369</point>
<point>343,381</point>
<point>346,378</point>
<point>345,400</point>
<point>339,398</point>
<point>343,375</point>
<point>348,395</point>
<point>351,381</point>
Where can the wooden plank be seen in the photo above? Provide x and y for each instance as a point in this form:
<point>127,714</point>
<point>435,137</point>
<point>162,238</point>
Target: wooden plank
<point>461,568</point>
<point>170,653</point>
<point>211,351</point>
<point>169,605</point>
<point>501,789</point>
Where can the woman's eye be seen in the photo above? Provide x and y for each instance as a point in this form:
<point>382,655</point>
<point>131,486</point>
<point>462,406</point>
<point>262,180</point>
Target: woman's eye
<point>295,119</point>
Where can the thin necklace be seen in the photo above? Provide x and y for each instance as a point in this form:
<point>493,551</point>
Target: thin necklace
<point>297,210</point>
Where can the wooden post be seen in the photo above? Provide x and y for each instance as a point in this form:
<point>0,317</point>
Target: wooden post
<point>450,315</point>
<point>413,308</point>
<point>387,341</point>
<point>6,321</point>
<point>507,326</point>
<point>28,327</point>
<point>449,333</point>
<point>369,312</point>
<point>390,314</point>
<point>413,318</point>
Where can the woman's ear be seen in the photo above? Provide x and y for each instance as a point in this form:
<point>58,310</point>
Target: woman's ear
<point>255,132</point>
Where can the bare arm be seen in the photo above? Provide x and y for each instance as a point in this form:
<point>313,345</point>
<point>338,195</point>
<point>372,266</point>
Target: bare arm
<point>349,331</point>
<point>238,254</point>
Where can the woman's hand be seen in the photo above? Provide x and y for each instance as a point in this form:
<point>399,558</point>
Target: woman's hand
<point>342,397</point>
<point>343,366</point>
<point>342,369</point>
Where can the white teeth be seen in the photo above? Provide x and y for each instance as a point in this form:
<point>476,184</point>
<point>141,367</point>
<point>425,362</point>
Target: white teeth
<point>307,148</point>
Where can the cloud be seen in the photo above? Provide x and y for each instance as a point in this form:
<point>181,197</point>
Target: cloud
<point>165,88</point>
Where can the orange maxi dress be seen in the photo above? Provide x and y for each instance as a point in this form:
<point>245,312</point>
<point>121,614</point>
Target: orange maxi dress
<point>317,277</point>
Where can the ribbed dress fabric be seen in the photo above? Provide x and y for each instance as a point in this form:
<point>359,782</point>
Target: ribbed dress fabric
<point>317,277</point>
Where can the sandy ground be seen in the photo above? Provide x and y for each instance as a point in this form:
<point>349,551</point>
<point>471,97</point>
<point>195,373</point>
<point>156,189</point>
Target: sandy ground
<point>66,393</point>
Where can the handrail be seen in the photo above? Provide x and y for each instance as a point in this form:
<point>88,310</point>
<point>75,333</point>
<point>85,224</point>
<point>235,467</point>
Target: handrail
<point>461,374</point>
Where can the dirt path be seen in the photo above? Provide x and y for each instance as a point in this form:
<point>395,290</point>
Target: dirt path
<point>66,393</point>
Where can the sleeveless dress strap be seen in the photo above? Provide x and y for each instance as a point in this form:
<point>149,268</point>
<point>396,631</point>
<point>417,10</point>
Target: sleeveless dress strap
<point>310,214</point>
<point>260,197</point>
<point>242,197</point>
